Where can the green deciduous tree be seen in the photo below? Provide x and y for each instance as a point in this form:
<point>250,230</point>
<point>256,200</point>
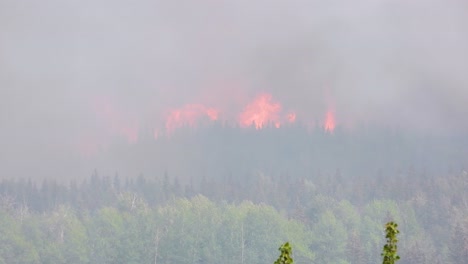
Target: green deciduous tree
<point>329,239</point>
<point>14,248</point>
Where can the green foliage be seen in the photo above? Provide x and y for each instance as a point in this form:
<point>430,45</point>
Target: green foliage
<point>14,247</point>
<point>329,239</point>
<point>389,253</point>
<point>130,226</point>
<point>286,254</point>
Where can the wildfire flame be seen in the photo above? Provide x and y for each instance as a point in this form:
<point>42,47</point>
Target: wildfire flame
<point>189,115</point>
<point>330,121</point>
<point>261,112</point>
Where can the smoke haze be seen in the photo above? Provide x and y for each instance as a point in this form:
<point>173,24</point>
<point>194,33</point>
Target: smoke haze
<point>77,75</point>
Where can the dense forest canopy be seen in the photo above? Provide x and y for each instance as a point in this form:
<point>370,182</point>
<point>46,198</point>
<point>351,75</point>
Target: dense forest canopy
<point>330,213</point>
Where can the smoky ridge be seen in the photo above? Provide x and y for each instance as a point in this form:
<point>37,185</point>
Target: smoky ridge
<point>76,77</point>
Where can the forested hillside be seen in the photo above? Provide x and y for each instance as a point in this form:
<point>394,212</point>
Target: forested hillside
<point>212,132</point>
<point>218,150</point>
<point>230,219</point>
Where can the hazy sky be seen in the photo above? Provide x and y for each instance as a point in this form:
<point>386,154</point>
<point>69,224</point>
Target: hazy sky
<point>78,72</point>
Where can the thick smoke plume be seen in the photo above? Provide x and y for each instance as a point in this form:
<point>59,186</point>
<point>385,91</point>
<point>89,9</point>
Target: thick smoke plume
<point>77,75</point>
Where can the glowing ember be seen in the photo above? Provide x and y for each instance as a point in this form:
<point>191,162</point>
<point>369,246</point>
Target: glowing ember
<point>189,115</point>
<point>260,112</point>
<point>330,121</point>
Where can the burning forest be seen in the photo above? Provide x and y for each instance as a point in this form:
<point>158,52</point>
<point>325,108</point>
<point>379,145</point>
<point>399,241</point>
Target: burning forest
<point>210,132</point>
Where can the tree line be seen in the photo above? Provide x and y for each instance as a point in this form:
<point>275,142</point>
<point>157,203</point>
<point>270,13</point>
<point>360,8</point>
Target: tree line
<point>106,219</point>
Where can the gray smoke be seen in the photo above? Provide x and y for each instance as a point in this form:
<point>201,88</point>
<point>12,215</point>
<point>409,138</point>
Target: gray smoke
<point>71,71</point>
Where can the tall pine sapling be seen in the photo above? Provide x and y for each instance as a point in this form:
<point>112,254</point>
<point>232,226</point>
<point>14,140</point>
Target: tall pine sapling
<point>389,253</point>
<point>286,255</point>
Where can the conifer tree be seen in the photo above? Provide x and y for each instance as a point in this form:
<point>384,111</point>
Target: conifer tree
<point>389,253</point>
<point>286,255</point>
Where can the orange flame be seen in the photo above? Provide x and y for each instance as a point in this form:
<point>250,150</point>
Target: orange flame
<point>330,121</point>
<point>260,112</point>
<point>189,115</point>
